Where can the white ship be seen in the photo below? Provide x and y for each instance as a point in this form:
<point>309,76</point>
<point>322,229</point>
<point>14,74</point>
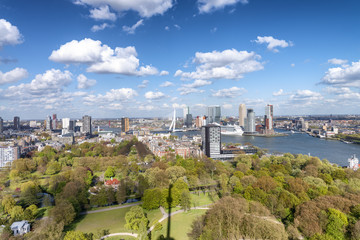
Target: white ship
<point>232,130</point>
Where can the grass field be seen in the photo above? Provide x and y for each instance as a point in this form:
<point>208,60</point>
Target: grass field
<point>203,199</point>
<point>113,220</point>
<point>180,225</point>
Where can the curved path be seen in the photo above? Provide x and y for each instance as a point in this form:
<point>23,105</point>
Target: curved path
<point>110,208</point>
<point>120,234</point>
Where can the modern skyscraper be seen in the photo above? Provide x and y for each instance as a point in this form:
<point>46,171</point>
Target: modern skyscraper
<point>269,117</point>
<point>54,121</point>
<point>250,121</point>
<point>188,120</point>
<point>1,125</point>
<point>48,123</point>
<point>87,125</point>
<point>67,124</point>
<point>16,123</point>
<point>242,115</point>
<point>125,125</point>
<point>186,111</point>
<point>211,140</point>
<point>214,114</point>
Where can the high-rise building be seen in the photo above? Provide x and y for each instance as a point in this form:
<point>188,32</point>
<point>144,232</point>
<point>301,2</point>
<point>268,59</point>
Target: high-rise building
<point>48,123</point>
<point>213,114</point>
<point>269,117</point>
<point>8,155</point>
<point>16,123</point>
<point>1,125</point>
<point>67,125</point>
<point>250,121</point>
<point>186,111</point>
<point>211,140</point>
<point>87,125</point>
<point>54,121</point>
<point>242,115</point>
<point>125,125</point>
<point>188,120</point>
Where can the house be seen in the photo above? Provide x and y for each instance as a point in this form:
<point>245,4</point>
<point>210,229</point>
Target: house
<point>113,183</point>
<point>20,228</point>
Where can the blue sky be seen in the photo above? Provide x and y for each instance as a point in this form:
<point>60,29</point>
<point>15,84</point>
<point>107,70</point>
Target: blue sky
<point>115,58</point>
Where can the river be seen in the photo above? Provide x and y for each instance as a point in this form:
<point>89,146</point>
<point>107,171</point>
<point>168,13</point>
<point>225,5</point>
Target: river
<point>295,143</point>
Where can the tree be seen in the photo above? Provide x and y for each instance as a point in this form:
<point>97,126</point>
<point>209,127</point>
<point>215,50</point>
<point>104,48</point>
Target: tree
<point>30,212</point>
<point>46,229</point>
<point>53,167</point>
<point>135,217</point>
<point>63,212</point>
<point>185,200</point>
<point>8,203</point>
<point>151,198</point>
<point>74,235</point>
<point>337,221</point>
<point>110,172</point>
<point>121,193</point>
<point>17,213</point>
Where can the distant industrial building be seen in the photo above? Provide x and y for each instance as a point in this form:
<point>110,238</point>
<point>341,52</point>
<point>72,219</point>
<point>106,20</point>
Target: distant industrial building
<point>87,129</point>
<point>16,123</point>
<point>8,154</point>
<point>125,125</point>
<point>213,114</point>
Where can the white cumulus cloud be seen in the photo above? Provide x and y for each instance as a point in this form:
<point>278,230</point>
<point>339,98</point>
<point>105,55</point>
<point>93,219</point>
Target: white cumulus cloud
<point>131,30</point>
<point>206,6</point>
<point>346,75</point>
<point>143,84</point>
<point>9,34</point>
<point>84,82</point>
<point>337,61</point>
<point>164,73</point>
<point>229,92</point>
<point>228,64</point>
<point>167,84</point>
<point>227,106</point>
<point>13,75</point>
<point>102,13</point>
<point>273,43</point>
<point>305,97</point>
<point>154,95</point>
<point>101,27</point>
<point>145,8</point>
<point>197,83</point>
<point>52,81</point>
<point>278,93</point>
<point>100,58</point>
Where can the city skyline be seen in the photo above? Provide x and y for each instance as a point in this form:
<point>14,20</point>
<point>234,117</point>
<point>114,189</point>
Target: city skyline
<point>114,58</point>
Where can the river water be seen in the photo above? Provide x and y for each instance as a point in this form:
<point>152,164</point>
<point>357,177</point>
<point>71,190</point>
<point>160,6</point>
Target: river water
<point>334,151</point>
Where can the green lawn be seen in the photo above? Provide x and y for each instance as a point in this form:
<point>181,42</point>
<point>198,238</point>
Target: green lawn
<point>180,225</point>
<point>153,216</point>
<point>203,199</point>
<point>113,220</point>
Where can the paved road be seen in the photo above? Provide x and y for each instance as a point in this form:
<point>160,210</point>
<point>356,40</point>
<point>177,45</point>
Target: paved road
<point>110,208</point>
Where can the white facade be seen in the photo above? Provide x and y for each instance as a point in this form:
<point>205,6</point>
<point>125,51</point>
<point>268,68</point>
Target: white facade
<point>8,155</point>
<point>353,163</point>
<point>20,228</point>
